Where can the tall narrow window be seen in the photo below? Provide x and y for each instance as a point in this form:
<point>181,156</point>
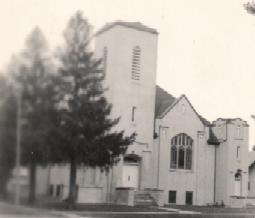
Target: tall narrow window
<point>51,190</point>
<point>58,191</point>
<point>136,63</point>
<point>173,163</point>
<point>181,152</point>
<point>188,158</point>
<point>238,152</point>
<point>238,131</point>
<point>181,158</point>
<point>133,114</point>
<point>105,53</point>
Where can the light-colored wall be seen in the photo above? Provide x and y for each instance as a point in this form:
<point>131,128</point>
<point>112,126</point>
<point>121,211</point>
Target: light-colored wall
<point>89,180</point>
<point>227,162</point>
<point>199,179</point>
<point>42,180</point>
<point>251,192</point>
<point>124,93</point>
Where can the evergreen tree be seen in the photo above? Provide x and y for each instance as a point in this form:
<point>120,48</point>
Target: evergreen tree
<point>8,115</point>
<point>250,7</point>
<point>33,75</point>
<point>84,131</point>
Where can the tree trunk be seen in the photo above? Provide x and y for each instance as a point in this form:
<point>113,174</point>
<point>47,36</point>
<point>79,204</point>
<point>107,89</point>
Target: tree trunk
<point>72,184</point>
<point>3,187</point>
<point>32,183</point>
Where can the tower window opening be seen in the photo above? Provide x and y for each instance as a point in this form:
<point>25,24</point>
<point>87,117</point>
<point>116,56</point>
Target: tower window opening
<point>133,114</point>
<point>136,63</point>
<point>238,152</point>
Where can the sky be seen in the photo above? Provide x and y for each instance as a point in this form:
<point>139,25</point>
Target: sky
<point>206,49</point>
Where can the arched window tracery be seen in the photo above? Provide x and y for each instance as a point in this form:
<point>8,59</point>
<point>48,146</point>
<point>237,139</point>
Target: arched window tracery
<point>181,152</point>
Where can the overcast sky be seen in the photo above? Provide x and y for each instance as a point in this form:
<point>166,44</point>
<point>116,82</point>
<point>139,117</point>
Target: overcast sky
<point>206,48</point>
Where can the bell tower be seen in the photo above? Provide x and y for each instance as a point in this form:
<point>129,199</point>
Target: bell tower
<point>129,53</point>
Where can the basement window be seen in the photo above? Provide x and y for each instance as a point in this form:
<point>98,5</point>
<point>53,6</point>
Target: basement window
<point>172,197</point>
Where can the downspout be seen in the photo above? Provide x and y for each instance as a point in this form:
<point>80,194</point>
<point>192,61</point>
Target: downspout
<point>48,179</point>
<point>107,187</point>
<point>158,156</point>
<point>197,163</point>
<point>110,197</point>
<point>226,132</point>
<point>227,197</point>
<point>214,186</point>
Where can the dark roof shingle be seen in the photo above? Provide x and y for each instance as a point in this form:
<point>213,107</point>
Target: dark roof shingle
<point>134,25</point>
<point>163,101</point>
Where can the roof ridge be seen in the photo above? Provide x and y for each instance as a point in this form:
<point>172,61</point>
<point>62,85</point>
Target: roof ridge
<point>135,25</point>
<point>201,118</point>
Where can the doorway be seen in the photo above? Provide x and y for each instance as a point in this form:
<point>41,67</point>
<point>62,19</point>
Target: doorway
<point>189,198</point>
<point>238,179</point>
<point>130,176</point>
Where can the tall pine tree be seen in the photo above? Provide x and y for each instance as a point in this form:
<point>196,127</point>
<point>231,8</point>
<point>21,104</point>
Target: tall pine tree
<point>84,131</point>
<point>37,84</point>
<point>8,118</point>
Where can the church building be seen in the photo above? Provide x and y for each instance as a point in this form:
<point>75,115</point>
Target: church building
<point>178,156</point>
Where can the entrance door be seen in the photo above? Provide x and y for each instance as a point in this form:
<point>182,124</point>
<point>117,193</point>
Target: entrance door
<point>130,176</point>
<point>237,188</point>
<point>189,198</point>
<point>238,184</point>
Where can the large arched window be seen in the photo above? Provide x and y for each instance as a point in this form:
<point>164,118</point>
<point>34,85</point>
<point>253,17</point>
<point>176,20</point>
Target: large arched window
<point>136,63</point>
<point>181,152</point>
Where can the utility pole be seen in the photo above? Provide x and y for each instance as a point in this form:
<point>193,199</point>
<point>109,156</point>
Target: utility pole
<point>17,159</point>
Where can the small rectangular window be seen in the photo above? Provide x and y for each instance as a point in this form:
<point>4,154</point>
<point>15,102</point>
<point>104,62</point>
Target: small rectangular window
<point>189,197</point>
<point>133,114</point>
<point>172,197</point>
<point>238,152</point>
<point>58,191</point>
<point>51,190</point>
<point>238,131</point>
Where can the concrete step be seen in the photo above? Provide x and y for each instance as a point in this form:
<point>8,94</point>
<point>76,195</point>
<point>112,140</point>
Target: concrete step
<point>144,199</point>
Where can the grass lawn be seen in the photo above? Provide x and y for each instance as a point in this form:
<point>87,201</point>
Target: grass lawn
<point>214,210</point>
<point>63,206</point>
<point>60,209</point>
<point>206,212</point>
<point>7,209</point>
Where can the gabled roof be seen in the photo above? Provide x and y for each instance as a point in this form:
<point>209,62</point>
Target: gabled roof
<point>135,25</point>
<point>165,102</point>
